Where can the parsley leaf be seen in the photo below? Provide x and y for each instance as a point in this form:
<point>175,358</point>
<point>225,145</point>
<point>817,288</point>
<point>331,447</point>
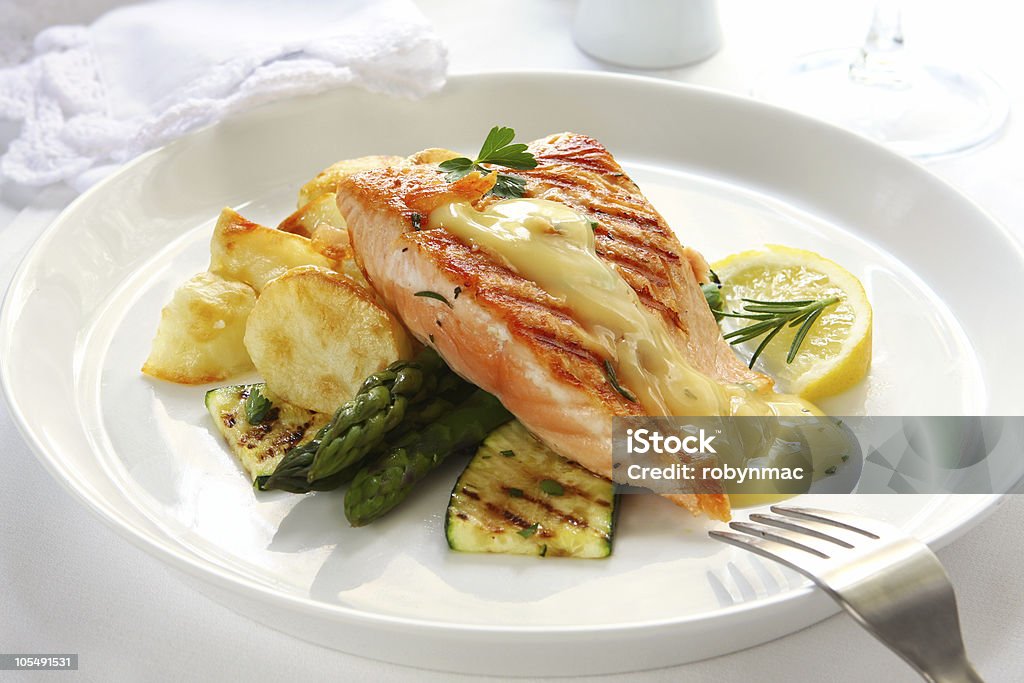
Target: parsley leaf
<point>508,186</point>
<point>497,150</point>
<point>257,406</point>
<point>457,168</point>
<point>497,139</point>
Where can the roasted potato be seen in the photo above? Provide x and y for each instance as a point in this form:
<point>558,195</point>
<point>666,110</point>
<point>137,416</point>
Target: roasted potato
<point>321,221</point>
<point>334,243</point>
<point>200,336</point>
<point>315,335</point>
<point>323,210</point>
<point>254,254</point>
<point>327,180</point>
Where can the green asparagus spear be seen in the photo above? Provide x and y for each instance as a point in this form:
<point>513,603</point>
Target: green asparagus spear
<point>361,424</point>
<point>292,473</point>
<point>451,391</point>
<point>359,427</point>
<point>380,486</point>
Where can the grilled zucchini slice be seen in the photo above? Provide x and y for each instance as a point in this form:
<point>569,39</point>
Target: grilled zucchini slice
<point>517,496</point>
<point>259,447</point>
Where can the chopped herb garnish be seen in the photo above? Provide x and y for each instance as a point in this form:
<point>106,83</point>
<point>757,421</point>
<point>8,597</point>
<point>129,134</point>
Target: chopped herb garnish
<point>434,295</point>
<point>551,487</point>
<point>508,454</point>
<point>458,290</point>
<point>417,221</point>
<point>497,150</point>
<point>257,406</point>
<point>830,470</point>
<point>544,550</point>
<point>771,317</point>
<point>845,458</point>
<point>514,492</point>
<point>610,371</point>
<point>528,531</point>
<point>593,226</point>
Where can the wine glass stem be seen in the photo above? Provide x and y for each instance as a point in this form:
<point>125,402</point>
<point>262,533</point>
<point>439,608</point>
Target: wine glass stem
<point>879,60</point>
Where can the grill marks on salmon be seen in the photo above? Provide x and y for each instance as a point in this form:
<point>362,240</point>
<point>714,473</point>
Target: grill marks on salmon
<point>509,336</point>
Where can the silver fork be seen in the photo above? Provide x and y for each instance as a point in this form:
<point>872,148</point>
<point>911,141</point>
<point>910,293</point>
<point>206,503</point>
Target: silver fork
<point>893,585</point>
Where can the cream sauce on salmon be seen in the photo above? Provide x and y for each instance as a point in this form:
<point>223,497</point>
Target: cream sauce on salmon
<point>554,246</point>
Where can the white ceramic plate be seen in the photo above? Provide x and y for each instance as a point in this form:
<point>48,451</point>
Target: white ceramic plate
<point>728,173</point>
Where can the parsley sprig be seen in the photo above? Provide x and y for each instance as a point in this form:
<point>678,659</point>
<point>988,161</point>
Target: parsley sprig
<point>497,150</point>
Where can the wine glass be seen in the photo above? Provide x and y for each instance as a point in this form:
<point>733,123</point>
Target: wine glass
<point>918,109</point>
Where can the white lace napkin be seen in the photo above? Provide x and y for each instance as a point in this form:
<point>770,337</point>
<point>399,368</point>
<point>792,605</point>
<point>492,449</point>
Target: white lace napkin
<point>90,98</point>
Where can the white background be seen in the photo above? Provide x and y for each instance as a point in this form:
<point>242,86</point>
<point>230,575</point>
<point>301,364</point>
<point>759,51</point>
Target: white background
<point>68,584</point>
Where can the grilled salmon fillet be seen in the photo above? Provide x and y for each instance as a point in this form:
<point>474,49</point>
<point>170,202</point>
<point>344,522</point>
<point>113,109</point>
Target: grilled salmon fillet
<point>507,335</point>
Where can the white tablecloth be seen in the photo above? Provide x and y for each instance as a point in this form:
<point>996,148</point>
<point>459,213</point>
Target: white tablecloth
<point>69,584</point>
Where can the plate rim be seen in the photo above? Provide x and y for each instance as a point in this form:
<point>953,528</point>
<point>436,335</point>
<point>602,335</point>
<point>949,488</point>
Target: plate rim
<point>196,565</point>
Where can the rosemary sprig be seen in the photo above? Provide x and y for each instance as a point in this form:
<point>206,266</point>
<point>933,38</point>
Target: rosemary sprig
<point>497,150</point>
<point>771,317</point>
<point>434,295</point>
<point>609,371</point>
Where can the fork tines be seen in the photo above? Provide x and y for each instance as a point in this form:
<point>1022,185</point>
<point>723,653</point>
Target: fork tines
<point>793,533</point>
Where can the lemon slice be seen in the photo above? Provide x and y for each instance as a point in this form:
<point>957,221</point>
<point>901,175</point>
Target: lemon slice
<point>836,353</point>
